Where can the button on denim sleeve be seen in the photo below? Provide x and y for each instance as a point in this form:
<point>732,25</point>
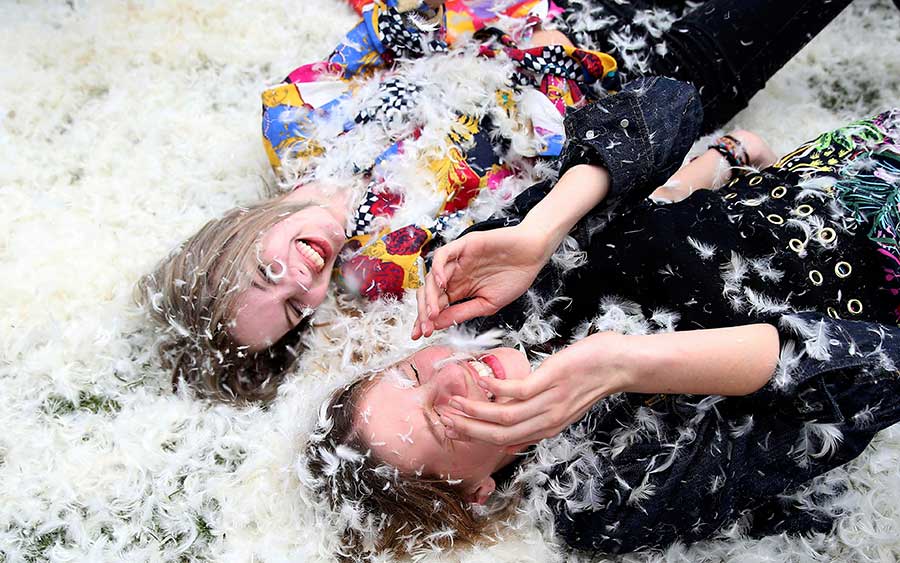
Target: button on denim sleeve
<point>640,135</point>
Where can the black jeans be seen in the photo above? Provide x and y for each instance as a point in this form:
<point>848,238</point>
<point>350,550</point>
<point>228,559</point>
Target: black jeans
<point>727,49</point>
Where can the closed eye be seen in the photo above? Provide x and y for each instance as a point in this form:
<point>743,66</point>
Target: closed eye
<point>416,373</point>
<point>264,275</point>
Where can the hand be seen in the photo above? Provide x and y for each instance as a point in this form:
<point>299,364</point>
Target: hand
<point>489,269</point>
<point>557,394</point>
<point>759,153</point>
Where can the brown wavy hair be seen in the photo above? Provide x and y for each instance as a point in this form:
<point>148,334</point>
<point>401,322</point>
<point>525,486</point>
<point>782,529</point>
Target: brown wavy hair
<point>191,295</point>
<point>376,508</point>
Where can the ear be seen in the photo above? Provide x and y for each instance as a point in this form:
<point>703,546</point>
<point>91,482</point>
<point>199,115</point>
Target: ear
<point>481,491</point>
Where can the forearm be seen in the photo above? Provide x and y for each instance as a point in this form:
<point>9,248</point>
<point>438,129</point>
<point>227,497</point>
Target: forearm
<point>711,170</point>
<point>708,171</point>
<point>578,191</point>
<point>724,361</point>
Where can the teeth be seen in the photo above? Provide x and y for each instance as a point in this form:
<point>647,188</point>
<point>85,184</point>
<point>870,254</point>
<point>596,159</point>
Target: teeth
<point>483,370</point>
<point>307,250</point>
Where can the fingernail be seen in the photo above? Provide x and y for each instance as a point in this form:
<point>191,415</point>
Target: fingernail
<point>451,434</point>
<point>446,421</point>
<point>455,404</point>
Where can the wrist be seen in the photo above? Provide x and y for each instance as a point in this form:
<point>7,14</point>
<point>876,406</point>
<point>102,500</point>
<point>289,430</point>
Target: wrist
<point>758,151</point>
<point>606,360</point>
<point>652,360</point>
<point>545,237</point>
<point>639,361</point>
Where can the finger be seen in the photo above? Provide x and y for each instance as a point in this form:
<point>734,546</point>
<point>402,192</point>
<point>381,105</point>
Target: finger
<point>442,256</point>
<point>443,302</point>
<point>432,294</point>
<point>504,414</point>
<point>420,317</point>
<point>461,427</point>
<point>460,312</point>
<point>453,283</point>
<point>521,389</point>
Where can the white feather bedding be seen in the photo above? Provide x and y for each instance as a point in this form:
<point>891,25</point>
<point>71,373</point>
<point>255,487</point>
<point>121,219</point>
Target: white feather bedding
<point>124,126</point>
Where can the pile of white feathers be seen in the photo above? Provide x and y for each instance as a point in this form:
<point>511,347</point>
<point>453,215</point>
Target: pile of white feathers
<point>124,127</point>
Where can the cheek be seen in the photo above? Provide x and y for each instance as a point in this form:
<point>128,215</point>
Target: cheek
<point>467,460</point>
<point>449,387</point>
<point>317,294</point>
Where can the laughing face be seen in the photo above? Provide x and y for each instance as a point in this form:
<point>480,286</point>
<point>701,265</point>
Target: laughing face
<point>399,418</point>
<point>290,276</point>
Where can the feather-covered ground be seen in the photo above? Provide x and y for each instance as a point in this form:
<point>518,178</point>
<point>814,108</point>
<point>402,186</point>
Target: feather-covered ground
<point>124,126</point>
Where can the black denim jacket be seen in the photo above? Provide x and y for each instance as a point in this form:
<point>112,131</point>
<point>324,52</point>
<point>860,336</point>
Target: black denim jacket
<point>640,135</point>
<point>834,375</point>
<point>836,387</point>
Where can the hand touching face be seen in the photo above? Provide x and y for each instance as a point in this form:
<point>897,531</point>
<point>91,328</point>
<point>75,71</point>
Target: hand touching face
<point>398,420</point>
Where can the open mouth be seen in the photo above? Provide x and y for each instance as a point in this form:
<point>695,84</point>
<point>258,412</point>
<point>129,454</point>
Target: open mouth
<point>482,369</point>
<point>314,252</point>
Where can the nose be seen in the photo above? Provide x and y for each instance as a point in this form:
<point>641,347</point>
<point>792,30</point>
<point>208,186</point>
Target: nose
<point>448,381</point>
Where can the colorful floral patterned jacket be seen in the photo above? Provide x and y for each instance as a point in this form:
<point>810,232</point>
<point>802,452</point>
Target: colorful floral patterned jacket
<point>388,262</point>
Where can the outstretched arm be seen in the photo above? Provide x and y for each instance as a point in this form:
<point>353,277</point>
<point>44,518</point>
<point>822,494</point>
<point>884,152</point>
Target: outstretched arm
<point>492,268</point>
<point>724,361</point>
<point>609,157</point>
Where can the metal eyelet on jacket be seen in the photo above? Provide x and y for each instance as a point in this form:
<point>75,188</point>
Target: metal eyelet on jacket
<point>843,269</point>
<point>816,277</point>
<point>804,210</point>
<point>827,235</point>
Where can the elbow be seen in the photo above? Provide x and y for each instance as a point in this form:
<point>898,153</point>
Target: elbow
<point>766,359</point>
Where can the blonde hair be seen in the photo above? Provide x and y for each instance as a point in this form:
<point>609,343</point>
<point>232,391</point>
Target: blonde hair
<point>191,294</point>
<point>377,508</point>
